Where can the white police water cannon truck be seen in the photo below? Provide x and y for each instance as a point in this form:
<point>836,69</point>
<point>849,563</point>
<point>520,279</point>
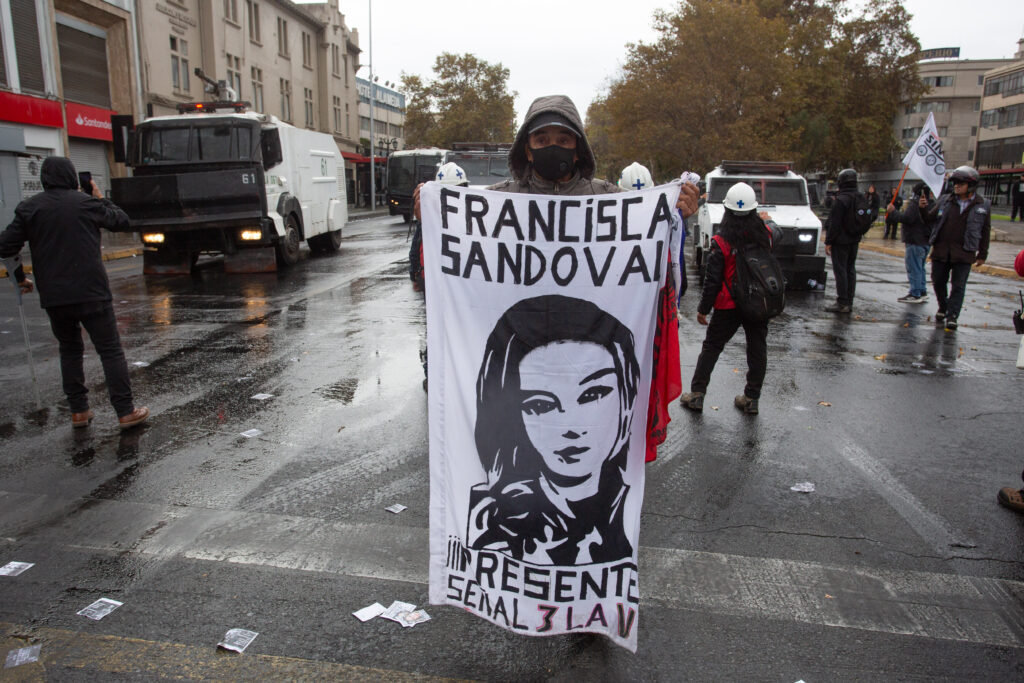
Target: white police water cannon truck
<point>783,194</point>
<point>217,178</point>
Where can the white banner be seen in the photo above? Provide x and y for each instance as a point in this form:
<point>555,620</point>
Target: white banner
<point>540,323</point>
<point>926,159</point>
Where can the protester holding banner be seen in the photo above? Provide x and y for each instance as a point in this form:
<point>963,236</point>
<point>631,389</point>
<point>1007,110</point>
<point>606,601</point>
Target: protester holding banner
<point>961,225</point>
<point>62,228</point>
<point>740,227</point>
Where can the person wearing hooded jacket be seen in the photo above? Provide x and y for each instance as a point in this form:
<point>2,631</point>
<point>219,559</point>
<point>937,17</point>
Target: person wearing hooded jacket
<point>62,228</point>
<point>551,155</point>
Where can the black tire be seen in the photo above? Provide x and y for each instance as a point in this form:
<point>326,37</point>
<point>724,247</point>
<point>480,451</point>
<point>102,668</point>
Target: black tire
<point>327,243</point>
<point>288,245</point>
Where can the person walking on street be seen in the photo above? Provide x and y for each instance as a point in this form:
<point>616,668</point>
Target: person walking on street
<point>915,240</point>
<point>62,228</point>
<point>841,244</point>
<point>892,220</point>
<point>961,225</point>
<point>740,227</point>
<point>1017,199</point>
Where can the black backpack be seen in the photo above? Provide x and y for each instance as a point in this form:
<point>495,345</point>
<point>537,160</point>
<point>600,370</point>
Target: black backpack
<point>759,287</point>
<point>859,216</point>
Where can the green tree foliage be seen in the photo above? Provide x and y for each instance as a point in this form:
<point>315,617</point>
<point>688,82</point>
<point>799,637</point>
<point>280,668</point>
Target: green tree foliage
<point>807,80</point>
<point>467,101</point>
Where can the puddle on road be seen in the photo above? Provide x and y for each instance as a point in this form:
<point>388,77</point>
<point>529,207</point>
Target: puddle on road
<point>343,390</point>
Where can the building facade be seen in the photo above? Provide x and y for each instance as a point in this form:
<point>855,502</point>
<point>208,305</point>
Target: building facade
<point>1000,155</point>
<point>66,66</point>
<point>388,133</point>
<point>296,62</point>
<point>954,94</point>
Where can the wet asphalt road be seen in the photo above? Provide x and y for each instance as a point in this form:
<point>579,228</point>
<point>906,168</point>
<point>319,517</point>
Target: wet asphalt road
<point>899,566</point>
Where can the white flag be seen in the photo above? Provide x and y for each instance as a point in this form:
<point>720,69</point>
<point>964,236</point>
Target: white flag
<point>925,157</point>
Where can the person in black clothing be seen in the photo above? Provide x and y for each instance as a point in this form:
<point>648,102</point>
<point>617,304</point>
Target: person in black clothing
<point>915,239</point>
<point>961,225</point>
<point>62,228</point>
<point>740,226</point>
<point>892,219</point>
<point>875,201</point>
<point>1017,199</point>
<point>841,245</point>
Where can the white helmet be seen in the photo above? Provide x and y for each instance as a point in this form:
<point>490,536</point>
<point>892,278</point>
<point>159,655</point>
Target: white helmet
<point>451,174</point>
<point>740,198</point>
<point>635,177</point>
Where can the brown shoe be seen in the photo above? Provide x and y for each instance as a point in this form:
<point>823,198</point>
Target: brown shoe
<point>81,419</point>
<point>1011,498</point>
<point>136,417</point>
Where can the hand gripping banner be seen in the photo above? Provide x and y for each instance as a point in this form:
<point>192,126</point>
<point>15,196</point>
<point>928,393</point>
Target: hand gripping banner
<point>540,324</point>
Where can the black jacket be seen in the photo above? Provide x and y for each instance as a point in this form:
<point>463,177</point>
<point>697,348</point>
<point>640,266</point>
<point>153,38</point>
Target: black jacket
<point>915,230</point>
<point>62,228</point>
<point>835,226</point>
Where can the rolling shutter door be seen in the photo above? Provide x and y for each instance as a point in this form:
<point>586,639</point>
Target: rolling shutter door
<point>26,46</point>
<point>91,156</point>
<point>28,170</point>
<point>83,67</point>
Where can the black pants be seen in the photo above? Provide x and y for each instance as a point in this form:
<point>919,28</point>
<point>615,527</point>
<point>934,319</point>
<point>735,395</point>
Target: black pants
<point>892,226</point>
<point>723,325</point>
<point>941,272</point>
<point>98,320</point>
<point>844,271</point>
<point>1017,208</point>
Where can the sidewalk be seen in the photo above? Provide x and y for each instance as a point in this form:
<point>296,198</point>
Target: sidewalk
<point>1007,242</point>
<point>121,247</point>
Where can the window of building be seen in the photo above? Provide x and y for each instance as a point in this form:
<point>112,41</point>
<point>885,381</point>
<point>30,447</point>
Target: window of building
<point>307,98</point>
<point>911,133</point>
<point>970,155</point>
<point>364,124</point>
<point>231,11</point>
<point>938,81</point>
<point>943,131</point>
<point>282,37</point>
<point>348,128</point>
<point>27,50</point>
<point>286,100</point>
<point>3,65</point>
<point>336,110</point>
<point>925,107</point>
<point>974,131</point>
<point>1001,153</point>
<point>1006,85</point>
<point>1003,117</point>
<point>307,50</point>
<point>253,11</point>
<point>83,65</point>
<point>394,130</point>
<point>257,89</point>
<point>981,79</point>
<point>234,74</point>
<point>977,105</point>
<point>336,60</point>
<point>179,64</point>
<point>345,61</point>
<point>380,127</point>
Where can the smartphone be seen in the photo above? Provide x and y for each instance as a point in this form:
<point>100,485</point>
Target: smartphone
<point>85,181</point>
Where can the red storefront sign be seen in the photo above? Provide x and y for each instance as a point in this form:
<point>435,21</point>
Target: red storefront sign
<point>89,122</point>
<point>31,110</point>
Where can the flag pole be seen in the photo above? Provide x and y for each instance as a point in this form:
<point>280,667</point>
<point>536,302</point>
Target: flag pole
<point>899,185</point>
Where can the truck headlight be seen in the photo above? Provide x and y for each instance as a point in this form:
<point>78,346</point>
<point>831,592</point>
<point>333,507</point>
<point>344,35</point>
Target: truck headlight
<point>153,238</point>
<point>805,237</point>
<point>252,235</point>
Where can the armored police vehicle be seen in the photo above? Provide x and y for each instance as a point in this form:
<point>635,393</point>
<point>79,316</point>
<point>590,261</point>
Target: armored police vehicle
<point>217,178</point>
<point>783,194</point>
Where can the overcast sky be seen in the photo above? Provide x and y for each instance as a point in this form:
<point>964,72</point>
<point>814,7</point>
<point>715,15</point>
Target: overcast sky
<point>574,47</point>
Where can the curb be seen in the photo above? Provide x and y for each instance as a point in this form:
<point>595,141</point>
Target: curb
<point>986,269</point>
<point>124,252</point>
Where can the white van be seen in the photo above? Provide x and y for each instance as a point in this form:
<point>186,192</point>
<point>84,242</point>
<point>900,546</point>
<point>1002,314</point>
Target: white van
<point>783,194</point>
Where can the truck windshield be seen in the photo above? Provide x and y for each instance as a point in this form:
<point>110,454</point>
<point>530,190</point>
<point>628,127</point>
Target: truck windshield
<point>770,191</point>
<point>195,143</point>
<point>482,169</point>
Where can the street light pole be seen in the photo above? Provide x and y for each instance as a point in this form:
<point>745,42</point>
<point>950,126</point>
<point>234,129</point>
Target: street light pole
<point>373,190</point>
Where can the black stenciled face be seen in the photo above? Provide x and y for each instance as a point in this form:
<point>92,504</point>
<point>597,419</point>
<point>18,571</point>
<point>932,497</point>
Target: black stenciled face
<point>571,406</point>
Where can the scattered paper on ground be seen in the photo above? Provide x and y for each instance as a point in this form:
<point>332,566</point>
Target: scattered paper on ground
<point>15,568</point>
<point>880,356</point>
<point>141,364</point>
<point>396,608</point>
<point>24,655</point>
<point>262,397</point>
<point>237,639</point>
<point>396,508</point>
<point>100,608</point>
<point>800,408</point>
<point>803,487</point>
<point>369,612</point>
<point>408,619</point>
<point>251,433</point>
<point>825,403</point>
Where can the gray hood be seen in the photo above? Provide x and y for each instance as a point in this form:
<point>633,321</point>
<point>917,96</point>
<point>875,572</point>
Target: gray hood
<point>560,104</point>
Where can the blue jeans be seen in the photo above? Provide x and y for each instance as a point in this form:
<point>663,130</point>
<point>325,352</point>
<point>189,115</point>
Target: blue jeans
<point>915,257</point>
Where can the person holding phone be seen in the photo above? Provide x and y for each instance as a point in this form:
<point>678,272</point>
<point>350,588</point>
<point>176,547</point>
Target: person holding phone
<point>62,228</point>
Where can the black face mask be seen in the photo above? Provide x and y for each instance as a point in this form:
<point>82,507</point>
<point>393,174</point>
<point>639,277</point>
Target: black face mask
<point>553,162</point>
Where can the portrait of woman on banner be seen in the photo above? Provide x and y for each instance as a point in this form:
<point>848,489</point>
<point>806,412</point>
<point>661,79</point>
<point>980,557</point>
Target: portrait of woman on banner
<point>555,398</point>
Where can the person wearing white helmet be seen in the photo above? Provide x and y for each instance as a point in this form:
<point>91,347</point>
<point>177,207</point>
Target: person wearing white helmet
<point>635,177</point>
<point>741,226</point>
<point>448,174</point>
